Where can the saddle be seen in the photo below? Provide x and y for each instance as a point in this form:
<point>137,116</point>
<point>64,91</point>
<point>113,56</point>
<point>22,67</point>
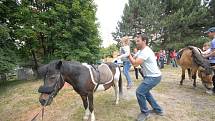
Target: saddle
<point>102,74</point>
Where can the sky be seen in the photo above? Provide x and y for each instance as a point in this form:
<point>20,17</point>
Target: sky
<point>108,13</point>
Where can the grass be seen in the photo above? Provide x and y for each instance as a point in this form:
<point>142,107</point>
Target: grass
<point>19,102</point>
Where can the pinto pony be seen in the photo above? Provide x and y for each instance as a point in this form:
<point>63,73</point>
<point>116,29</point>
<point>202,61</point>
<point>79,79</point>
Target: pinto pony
<point>84,78</point>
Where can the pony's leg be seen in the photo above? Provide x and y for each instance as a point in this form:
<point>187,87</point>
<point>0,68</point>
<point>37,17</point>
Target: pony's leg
<point>116,89</point>
<point>91,107</point>
<point>182,76</point>
<point>189,74</point>
<point>86,106</point>
<point>194,80</point>
<point>194,70</point>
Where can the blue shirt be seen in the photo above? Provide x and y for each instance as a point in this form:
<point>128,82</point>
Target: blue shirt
<point>212,59</point>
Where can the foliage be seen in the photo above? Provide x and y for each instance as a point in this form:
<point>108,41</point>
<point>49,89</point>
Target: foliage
<point>168,23</point>
<point>108,52</point>
<point>52,29</point>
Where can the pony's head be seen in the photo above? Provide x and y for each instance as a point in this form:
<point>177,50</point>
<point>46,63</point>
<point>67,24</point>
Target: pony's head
<point>53,82</point>
<point>206,76</point>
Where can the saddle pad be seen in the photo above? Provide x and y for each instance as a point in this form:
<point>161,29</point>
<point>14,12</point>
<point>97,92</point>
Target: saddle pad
<point>106,74</point>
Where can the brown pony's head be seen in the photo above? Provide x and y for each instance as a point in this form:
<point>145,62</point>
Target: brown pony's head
<point>206,77</point>
<point>53,82</point>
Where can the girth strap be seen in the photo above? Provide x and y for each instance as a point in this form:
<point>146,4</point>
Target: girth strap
<point>99,79</point>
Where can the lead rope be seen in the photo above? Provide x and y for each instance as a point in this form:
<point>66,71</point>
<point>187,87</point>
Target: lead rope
<point>43,107</point>
<point>42,110</point>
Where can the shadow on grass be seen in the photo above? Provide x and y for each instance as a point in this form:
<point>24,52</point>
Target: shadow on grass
<point>6,85</point>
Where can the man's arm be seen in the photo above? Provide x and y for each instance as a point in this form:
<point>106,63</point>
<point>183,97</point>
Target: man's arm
<point>206,52</point>
<point>211,54</point>
<point>135,61</point>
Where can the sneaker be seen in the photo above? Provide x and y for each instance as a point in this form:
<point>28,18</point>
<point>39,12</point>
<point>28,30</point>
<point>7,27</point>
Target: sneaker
<point>157,113</point>
<point>142,117</point>
<point>129,86</point>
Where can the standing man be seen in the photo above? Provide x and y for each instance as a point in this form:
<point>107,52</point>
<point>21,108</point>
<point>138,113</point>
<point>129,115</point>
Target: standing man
<point>152,76</point>
<point>211,53</point>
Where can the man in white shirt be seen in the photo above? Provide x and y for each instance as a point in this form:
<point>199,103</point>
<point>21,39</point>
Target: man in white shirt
<point>152,76</point>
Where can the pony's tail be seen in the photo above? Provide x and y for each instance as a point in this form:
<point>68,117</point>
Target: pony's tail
<point>120,82</point>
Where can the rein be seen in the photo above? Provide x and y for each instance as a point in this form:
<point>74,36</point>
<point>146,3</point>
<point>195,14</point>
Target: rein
<point>50,96</point>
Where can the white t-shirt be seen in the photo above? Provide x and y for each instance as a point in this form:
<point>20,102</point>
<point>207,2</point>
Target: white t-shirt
<point>149,65</point>
<point>124,53</point>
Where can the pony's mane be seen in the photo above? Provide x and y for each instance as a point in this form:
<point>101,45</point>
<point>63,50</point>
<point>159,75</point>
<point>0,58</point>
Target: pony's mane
<point>180,53</point>
<point>200,60</point>
<point>52,66</point>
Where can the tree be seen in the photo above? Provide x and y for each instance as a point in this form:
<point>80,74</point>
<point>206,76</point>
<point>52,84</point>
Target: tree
<point>8,55</point>
<point>51,29</point>
<point>168,23</point>
<point>108,52</point>
<point>141,16</point>
<point>184,23</point>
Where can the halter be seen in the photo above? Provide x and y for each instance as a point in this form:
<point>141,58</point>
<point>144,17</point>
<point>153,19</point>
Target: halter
<point>56,85</point>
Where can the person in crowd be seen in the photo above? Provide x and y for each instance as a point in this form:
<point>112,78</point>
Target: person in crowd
<point>124,53</point>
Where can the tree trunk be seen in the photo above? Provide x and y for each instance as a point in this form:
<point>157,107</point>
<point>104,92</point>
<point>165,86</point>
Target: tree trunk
<point>35,63</point>
<point>42,43</point>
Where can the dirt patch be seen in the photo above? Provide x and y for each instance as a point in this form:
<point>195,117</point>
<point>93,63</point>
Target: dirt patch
<point>181,103</point>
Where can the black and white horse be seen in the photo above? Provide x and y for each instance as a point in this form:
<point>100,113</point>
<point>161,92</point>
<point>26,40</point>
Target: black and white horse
<point>84,78</point>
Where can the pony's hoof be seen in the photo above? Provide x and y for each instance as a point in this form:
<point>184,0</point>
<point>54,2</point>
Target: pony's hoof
<point>85,118</point>
<point>92,119</point>
<point>210,92</point>
<point>120,95</point>
<point>116,103</point>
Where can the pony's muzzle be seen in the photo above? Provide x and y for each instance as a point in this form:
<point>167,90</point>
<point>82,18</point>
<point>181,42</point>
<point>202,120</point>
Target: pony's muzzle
<point>208,86</point>
<point>42,102</point>
<point>45,100</point>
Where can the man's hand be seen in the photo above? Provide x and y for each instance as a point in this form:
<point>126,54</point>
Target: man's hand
<point>205,56</point>
<point>135,61</point>
<point>210,54</point>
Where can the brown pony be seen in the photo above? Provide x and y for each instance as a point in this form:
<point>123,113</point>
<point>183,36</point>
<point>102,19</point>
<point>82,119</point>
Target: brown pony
<point>191,59</point>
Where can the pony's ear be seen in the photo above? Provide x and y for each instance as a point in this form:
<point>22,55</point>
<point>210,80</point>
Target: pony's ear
<point>59,64</point>
<point>42,70</point>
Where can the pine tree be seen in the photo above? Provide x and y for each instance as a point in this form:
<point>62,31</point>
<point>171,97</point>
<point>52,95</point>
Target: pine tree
<point>173,23</point>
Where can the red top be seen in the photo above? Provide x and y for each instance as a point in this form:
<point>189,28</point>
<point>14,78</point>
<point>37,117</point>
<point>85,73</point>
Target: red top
<point>173,54</point>
<point>157,54</point>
